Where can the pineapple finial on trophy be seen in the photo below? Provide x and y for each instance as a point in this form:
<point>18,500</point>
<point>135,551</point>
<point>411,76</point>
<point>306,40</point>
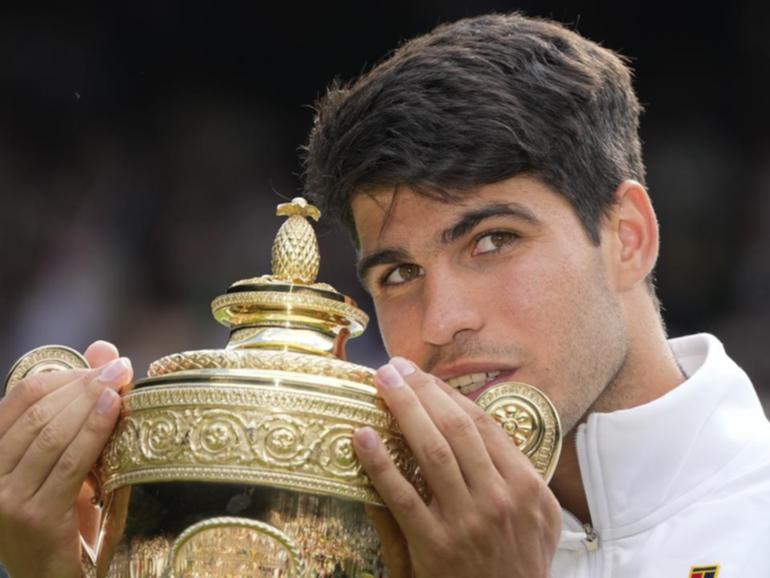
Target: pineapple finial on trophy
<point>295,256</point>
<point>289,310</point>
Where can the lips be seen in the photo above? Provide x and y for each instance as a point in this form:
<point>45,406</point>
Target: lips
<point>472,385</point>
<point>467,384</point>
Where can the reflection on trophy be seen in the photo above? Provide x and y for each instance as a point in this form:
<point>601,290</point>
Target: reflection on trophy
<point>238,462</point>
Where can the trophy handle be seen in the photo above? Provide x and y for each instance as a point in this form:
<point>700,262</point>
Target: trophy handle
<point>59,358</point>
<point>43,360</point>
<point>529,419</point>
<point>196,544</point>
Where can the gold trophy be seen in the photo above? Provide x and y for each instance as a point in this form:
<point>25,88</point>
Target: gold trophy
<point>238,462</point>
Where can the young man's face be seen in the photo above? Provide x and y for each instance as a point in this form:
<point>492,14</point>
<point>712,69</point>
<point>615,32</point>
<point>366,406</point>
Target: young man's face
<point>506,280</point>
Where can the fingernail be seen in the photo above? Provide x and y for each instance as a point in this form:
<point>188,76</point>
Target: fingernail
<point>389,377</point>
<point>115,370</point>
<point>105,401</point>
<point>403,366</point>
<point>366,438</point>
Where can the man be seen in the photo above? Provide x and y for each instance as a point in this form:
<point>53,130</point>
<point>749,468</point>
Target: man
<point>491,175</point>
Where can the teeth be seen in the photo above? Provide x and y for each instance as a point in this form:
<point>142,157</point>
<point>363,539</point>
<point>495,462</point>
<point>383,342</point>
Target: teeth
<point>466,384</point>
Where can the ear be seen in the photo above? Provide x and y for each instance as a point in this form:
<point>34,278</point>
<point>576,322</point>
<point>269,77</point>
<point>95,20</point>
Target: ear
<point>631,235</point>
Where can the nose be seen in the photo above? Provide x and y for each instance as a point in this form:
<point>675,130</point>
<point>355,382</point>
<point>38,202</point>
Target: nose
<point>449,309</point>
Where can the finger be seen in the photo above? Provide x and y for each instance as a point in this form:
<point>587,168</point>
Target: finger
<point>25,429</point>
<point>65,481</point>
<point>395,550</point>
<point>399,495</point>
<point>30,390</point>
<point>56,434</point>
<point>455,424</point>
<point>431,449</point>
<point>506,456</point>
<point>100,353</point>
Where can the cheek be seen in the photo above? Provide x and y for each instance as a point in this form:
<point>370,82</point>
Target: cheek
<point>545,307</point>
<point>399,325</point>
<point>562,308</point>
<point>538,290</point>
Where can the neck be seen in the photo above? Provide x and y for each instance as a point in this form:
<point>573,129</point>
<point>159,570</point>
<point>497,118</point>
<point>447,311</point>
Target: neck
<point>567,483</point>
<point>650,371</point>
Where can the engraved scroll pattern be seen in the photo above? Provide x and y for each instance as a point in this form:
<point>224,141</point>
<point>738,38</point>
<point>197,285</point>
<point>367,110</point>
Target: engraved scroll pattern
<point>300,442</point>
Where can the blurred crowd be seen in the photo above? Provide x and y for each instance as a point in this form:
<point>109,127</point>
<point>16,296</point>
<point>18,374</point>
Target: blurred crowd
<point>143,151</point>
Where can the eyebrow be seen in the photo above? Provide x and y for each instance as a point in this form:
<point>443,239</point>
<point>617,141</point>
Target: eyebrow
<point>383,257</point>
<point>465,223</point>
<point>470,219</point>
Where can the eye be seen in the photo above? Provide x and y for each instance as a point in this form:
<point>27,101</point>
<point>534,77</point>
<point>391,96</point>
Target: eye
<point>402,274</point>
<point>492,242</point>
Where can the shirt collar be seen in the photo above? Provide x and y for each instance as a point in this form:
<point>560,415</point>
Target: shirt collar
<point>639,464</point>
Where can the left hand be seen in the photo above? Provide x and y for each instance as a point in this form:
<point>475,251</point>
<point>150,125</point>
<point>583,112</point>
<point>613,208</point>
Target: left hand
<point>53,426</point>
<point>490,515</point>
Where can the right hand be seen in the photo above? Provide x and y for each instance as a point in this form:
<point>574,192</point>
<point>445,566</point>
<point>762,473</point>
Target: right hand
<point>490,513</point>
<point>53,426</point>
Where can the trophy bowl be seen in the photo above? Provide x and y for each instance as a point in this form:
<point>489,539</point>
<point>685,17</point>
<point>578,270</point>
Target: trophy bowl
<point>239,462</point>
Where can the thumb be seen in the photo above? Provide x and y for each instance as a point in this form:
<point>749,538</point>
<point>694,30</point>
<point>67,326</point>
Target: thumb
<point>101,352</point>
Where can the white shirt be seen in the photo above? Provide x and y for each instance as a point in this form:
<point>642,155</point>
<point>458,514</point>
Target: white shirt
<point>680,482</point>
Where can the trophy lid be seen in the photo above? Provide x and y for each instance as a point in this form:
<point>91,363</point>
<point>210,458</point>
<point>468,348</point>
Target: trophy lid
<point>282,321</point>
